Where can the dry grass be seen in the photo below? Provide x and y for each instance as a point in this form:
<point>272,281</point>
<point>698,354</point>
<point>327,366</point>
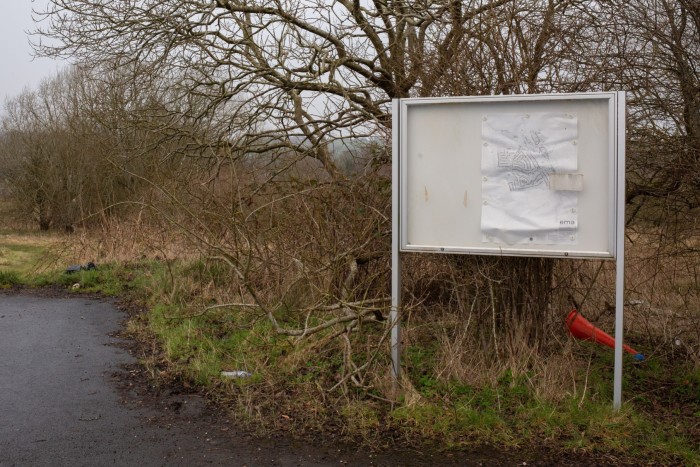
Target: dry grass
<point>662,296</point>
<point>128,240</point>
<point>30,253</point>
<point>24,250</point>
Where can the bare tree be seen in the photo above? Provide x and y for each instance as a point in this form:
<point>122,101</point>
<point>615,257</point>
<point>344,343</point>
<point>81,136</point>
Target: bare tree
<point>85,142</point>
<point>300,73</point>
<point>654,53</point>
<point>520,47</point>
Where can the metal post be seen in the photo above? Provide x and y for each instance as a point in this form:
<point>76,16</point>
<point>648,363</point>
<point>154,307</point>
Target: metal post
<point>619,312</point>
<point>395,307</point>
<point>620,252</point>
<point>395,237</point>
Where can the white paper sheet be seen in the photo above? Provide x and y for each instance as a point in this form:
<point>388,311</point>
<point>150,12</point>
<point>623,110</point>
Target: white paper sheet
<point>519,153</point>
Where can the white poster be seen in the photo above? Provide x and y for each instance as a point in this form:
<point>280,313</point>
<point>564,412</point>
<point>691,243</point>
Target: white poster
<point>529,178</point>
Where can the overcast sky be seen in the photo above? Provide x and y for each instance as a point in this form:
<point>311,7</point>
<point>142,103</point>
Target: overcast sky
<point>17,68</point>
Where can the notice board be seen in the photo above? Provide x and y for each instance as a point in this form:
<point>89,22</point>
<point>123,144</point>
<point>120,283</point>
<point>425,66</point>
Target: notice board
<point>523,175</point>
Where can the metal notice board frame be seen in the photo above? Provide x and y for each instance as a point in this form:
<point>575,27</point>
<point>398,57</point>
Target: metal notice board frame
<point>436,160</point>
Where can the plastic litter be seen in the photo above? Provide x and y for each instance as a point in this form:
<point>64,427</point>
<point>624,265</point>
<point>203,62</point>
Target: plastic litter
<point>77,267</point>
<point>236,374</point>
<point>581,328</point>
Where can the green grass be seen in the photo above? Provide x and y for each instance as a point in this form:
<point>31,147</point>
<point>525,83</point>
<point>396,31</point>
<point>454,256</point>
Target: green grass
<point>186,345</point>
<point>509,416</point>
<point>201,346</point>
<point>507,413</point>
<point>24,255</point>
<point>110,279</point>
<point>9,279</point>
<point>22,259</point>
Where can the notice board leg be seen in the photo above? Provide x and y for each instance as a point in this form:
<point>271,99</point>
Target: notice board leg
<point>619,312</point>
<point>395,315</point>
<point>620,248</point>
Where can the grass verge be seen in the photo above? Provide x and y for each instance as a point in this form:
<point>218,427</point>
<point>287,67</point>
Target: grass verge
<point>24,255</point>
<point>288,386</point>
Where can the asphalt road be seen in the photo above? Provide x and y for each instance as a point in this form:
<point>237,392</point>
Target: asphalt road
<point>65,400</point>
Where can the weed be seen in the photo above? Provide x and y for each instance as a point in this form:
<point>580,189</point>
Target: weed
<point>362,418</point>
<point>9,279</point>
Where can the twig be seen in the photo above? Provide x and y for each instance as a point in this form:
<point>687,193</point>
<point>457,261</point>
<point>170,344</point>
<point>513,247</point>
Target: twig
<point>213,307</point>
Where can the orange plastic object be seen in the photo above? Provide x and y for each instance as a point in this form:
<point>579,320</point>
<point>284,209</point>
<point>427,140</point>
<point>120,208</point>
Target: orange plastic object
<point>581,328</point>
